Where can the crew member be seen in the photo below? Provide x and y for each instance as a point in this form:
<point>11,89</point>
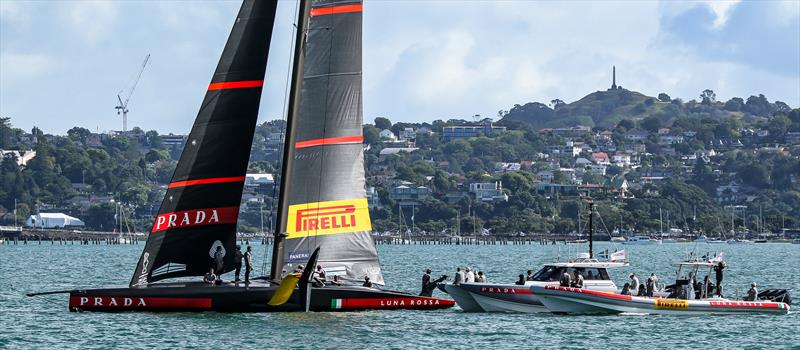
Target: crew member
<point>210,277</point>
<point>529,277</point>
<point>320,272</point>
<point>578,283</point>
<point>426,279</point>
<point>690,286</point>
<point>469,277</point>
<point>219,264</point>
<point>651,284</point>
<point>336,280</point>
<point>626,289</point>
<point>634,281</point>
<point>480,278</point>
<point>566,279</point>
<point>248,264</point>
<point>459,278</point>
<point>318,277</point>
<point>367,283</point>
<point>752,293</point>
<point>521,280</point>
<point>237,261</point>
<point>718,271</point>
<point>642,291</point>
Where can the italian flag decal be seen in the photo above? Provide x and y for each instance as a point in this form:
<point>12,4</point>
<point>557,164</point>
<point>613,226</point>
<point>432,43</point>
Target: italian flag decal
<point>336,303</point>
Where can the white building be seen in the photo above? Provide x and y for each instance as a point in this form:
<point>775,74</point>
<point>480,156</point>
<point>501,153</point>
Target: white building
<point>408,134</point>
<point>488,191</point>
<point>52,220</point>
<point>388,135</point>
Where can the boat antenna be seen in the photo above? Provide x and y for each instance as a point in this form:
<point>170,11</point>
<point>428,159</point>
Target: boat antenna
<point>591,227</point>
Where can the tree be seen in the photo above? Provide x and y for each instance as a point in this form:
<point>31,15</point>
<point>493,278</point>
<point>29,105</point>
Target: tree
<point>371,134</point>
<point>663,97</point>
<point>757,105</point>
<point>557,103</point>
<point>383,123</point>
<point>708,97</point>
<point>734,104</point>
<point>5,133</point>
<point>651,124</point>
<point>755,175</point>
<point>626,124</point>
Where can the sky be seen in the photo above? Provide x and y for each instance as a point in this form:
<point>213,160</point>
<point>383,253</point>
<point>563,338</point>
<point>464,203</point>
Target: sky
<point>62,63</point>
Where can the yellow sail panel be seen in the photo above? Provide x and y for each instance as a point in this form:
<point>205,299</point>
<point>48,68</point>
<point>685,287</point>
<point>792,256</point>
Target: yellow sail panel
<point>285,290</point>
<point>327,218</point>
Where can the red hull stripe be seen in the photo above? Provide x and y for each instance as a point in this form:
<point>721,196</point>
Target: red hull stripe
<point>195,217</point>
<point>395,303</point>
<point>591,292</point>
<point>235,85</point>
<point>142,303</point>
<point>213,180</point>
<point>321,11</point>
<point>330,141</point>
<point>745,304</point>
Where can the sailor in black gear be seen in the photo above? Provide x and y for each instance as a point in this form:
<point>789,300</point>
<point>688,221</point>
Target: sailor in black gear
<point>248,264</point>
<point>237,261</point>
<point>219,264</point>
<point>427,285</point>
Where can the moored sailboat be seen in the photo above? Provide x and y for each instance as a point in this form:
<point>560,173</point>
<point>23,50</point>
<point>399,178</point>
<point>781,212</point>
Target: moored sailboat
<point>323,215</point>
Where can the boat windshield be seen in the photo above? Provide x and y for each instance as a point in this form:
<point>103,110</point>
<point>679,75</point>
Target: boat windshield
<point>553,273</point>
<point>548,273</point>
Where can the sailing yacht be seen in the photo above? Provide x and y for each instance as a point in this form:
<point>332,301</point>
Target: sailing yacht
<point>323,217</point>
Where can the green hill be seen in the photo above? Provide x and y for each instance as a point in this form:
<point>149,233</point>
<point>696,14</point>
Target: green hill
<point>600,108</point>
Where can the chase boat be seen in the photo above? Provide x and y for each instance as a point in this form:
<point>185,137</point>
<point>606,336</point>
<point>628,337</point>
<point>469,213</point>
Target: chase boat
<point>566,300</point>
<point>489,297</point>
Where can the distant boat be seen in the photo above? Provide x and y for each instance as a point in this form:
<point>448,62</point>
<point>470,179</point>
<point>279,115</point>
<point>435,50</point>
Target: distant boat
<point>618,239</point>
<point>641,240</point>
<point>739,241</point>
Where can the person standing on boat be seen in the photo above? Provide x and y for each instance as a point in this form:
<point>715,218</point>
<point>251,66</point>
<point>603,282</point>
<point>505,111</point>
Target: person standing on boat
<point>566,279</point>
<point>237,261</point>
<point>219,264</point>
<point>426,280</point>
<point>634,281</point>
<point>651,284</point>
<point>248,264</point>
<point>367,282</point>
<point>718,271</point>
<point>578,283</point>
<point>752,293</point>
<point>459,278</point>
<point>469,276</point>
<point>690,291</point>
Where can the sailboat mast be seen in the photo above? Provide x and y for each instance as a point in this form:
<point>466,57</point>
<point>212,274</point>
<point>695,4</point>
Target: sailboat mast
<point>289,137</point>
<point>591,229</point>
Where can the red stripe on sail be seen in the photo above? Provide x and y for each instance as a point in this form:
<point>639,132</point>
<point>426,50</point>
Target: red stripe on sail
<point>195,217</point>
<point>330,141</point>
<point>213,180</point>
<point>321,11</point>
<point>236,85</point>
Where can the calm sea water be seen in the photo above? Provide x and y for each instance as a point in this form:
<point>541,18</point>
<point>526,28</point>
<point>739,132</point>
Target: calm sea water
<point>44,322</point>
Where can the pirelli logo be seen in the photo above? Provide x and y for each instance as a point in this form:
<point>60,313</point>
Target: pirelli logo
<point>672,304</point>
<point>327,218</point>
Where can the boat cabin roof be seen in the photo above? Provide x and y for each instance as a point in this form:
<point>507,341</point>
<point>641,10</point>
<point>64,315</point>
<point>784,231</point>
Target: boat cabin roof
<point>589,263</point>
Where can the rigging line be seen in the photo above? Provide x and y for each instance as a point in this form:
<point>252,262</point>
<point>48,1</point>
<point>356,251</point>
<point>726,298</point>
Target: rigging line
<point>284,119</point>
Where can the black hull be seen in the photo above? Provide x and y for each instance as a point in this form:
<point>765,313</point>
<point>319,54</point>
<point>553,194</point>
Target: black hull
<point>230,297</point>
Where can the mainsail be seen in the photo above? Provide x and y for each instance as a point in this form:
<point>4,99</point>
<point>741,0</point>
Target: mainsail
<point>201,205</point>
<point>323,201</point>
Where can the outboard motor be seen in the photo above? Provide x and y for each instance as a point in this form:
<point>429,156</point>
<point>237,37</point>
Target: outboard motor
<point>777,295</point>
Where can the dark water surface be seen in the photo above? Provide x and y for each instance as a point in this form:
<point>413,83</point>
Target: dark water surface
<point>44,322</point>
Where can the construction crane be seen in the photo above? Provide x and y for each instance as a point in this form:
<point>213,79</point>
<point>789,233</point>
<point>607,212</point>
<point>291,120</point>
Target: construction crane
<point>122,108</point>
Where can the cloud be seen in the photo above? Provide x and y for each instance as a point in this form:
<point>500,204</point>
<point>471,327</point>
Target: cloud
<point>722,9</point>
<point>93,20</point>
<point>16,67</point>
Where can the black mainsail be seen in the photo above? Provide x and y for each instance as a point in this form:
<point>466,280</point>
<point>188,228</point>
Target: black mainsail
<point>201,205</point>
<point>322,199</point>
